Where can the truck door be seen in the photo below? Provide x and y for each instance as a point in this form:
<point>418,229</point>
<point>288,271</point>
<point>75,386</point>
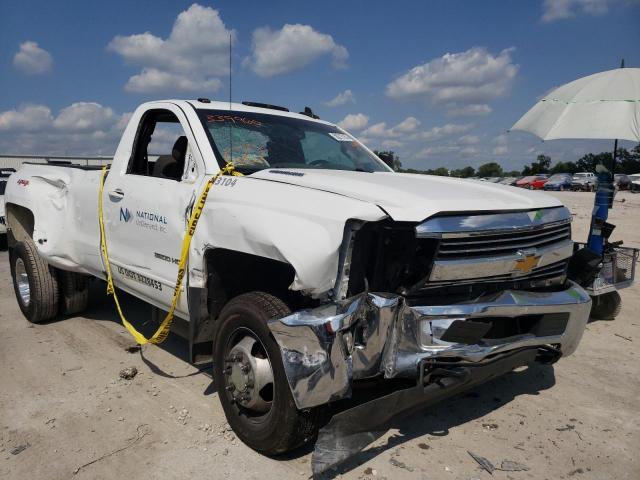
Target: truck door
<point>146,206</point>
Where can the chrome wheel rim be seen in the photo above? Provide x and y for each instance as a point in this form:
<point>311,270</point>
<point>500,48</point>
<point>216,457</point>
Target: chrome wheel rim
<point>249,375</point>
<point>22,280</point>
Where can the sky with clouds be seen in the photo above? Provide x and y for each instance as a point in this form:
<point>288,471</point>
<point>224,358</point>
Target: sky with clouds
<point>438,82</point>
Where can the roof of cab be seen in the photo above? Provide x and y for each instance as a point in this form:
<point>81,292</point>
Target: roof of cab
<point>239,107</point>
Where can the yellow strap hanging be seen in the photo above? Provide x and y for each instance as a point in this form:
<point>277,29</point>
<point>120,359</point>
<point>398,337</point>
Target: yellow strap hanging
<point>163,331</point>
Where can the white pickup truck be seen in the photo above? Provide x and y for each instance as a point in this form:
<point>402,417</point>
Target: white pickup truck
<point>319,270</point>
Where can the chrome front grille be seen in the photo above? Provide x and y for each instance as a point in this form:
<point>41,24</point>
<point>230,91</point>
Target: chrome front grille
<point>503,243</point>
<point>527,249</point>
<point>538,275</point>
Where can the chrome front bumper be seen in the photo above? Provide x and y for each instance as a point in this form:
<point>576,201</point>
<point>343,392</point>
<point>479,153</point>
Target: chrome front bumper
<point>377,334</point>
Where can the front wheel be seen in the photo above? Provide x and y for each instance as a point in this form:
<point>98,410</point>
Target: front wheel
<point>250,377</point>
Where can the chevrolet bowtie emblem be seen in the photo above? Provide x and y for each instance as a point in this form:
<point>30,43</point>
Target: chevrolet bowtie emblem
<point>527,263</point>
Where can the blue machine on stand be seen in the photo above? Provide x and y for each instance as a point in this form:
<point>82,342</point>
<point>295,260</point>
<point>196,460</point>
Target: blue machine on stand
<point>600,266</point>
<point>598,233</point>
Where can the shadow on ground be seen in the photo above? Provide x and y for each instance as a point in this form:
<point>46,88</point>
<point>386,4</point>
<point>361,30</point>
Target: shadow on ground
<point>437,420</point>
<point>138,313</point>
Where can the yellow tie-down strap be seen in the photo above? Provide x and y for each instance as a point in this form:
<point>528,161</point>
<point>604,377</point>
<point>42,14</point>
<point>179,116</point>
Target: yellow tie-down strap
<point>163,331</point>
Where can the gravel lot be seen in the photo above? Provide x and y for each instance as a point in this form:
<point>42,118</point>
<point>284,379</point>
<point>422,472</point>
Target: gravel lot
<point>65,413</point>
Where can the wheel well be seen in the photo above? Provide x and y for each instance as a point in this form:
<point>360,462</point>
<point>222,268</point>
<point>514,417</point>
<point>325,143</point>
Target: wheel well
<point>20,221</point>
<point>231,273</point>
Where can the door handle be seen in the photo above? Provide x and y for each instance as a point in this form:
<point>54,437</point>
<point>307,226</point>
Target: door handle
<point>116,195</point>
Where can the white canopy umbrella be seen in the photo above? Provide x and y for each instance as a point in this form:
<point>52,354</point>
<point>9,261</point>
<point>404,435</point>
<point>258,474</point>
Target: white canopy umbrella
<point>604,105</point>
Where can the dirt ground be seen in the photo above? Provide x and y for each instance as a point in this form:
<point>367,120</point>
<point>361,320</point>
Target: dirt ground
<point>65,413</point>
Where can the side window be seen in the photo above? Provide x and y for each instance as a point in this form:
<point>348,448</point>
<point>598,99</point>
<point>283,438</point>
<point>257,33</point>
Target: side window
<point>160,147</point>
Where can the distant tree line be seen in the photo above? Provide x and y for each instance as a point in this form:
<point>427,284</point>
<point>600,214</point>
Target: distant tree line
<point>627,161</point>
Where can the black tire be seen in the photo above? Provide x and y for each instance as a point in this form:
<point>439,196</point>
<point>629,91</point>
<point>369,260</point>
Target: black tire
<point>42,280</point>
<point>283,427</point>
<point>3,242</point>
<point>74,292</point>
<point>606,306</point>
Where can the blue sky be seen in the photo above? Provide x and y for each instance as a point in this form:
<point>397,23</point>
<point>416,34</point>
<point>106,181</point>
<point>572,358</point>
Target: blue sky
<point>439,82</point>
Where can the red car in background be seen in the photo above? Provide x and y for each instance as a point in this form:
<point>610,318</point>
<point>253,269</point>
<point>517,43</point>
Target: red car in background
<point>539,183</point>
<point>526,182</point>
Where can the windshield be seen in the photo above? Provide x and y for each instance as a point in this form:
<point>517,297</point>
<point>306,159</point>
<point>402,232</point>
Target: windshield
<point>558,177</point>
<point>634,178</point>
<point>255,141</point>
<point>3,186</point>
<point>580,175</point>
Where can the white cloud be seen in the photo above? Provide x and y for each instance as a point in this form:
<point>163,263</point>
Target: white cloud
<point>501,139</point>
<point>293,47</point>
<point>28,118</point>
<point>456,80</point>
<point>408,125</point>
<point>391,144</point>
<point>154,80</point>
<point>469,140</point>
<point>501,150</point>
<point>32,59</point>
<point>80,128</point>
<point>85,116</point>
<point>190,59</point>
<point>471,110</point>
<point>439,150</point>
<point>561,9</point>
<point>341,99</point>
<point>377,130</point>
<point>436,133</point>
<point>354,121</point>
<point>467,151</point>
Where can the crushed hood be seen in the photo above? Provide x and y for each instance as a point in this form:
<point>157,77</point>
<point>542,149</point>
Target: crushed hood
<point>411,197</point>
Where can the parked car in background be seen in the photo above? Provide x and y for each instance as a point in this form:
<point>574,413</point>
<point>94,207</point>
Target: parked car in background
<point>622,181</point>
<point>584,181</point>
<point>635,182</point>
<point>538,184</point>
<point>509,180</point>
<point>559,181</point>
<point>525,182</point>
<point>494,179</point>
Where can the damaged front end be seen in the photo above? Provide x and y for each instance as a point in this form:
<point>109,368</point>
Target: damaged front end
<point>445,348</point>
<point>431,332</point>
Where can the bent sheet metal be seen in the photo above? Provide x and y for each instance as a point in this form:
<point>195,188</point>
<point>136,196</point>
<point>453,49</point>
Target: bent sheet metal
<point>325,350</point>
